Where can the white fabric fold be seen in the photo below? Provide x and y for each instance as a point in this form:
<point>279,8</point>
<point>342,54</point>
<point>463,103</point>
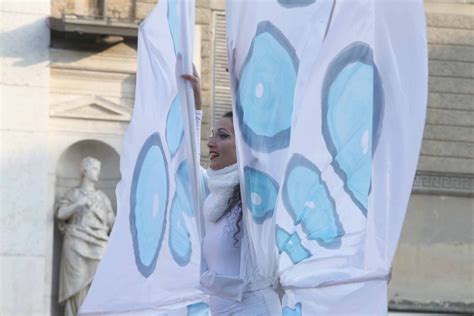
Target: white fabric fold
<point>229,287</point>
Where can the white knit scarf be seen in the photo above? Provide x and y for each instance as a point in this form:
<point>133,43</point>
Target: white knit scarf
<point>221,185</point>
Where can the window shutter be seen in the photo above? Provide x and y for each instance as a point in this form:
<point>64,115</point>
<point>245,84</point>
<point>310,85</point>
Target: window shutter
<point>221,98</point>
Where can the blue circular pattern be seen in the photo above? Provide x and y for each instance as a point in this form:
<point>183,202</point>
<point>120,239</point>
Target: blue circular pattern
<point>261,193</point>
<point>179,236</point>
<point>148,204</point>
<point>174,25</point>
<point>296,3</point>
<point>352,105</point>
<point>307,199</point>
<point>174,127</point>
<point>266,89</point>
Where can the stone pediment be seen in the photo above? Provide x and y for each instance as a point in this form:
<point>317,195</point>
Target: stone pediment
<point>92,108</point>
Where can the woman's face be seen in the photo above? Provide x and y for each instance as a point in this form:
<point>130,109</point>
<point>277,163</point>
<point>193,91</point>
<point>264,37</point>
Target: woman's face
<point>221,145</point>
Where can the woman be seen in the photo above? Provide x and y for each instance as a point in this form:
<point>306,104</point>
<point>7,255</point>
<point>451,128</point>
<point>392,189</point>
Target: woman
<point>227,271</point>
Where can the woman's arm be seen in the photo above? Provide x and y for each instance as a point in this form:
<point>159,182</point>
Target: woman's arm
<point>198,119</point>
<point>196,84</point>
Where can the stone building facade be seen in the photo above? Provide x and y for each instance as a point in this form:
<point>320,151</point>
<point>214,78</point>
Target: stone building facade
<point>67,90</point>
<point>433,269</point>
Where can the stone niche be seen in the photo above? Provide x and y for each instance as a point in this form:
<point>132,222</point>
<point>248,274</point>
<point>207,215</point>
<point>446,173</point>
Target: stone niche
<point>68,175</point>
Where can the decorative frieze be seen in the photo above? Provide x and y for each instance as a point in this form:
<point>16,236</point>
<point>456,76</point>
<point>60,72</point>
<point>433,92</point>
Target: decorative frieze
<point>444,183</point>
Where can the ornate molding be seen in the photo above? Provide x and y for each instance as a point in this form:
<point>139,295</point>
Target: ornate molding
<point>443,183</point>
<point>91,108</point>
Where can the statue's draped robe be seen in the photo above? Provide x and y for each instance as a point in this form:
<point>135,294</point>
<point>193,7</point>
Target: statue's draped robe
<point>85,238</point>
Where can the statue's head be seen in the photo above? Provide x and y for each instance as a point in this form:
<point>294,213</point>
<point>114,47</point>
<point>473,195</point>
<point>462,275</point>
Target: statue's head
<point>90,168</point>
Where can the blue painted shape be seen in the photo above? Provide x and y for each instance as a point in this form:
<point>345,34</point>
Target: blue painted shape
<point>296,3</point>
<point>148,204</point>
<point>352,106</point>
<point>297,311</point>
<point>261,193</point>
<point>291,245</point>
<point>266,89</point>
<point>183,188</point>
<point>174,126</point>
<point>307,199</point>
<point>179,237</point>
<point>198,309</point>
<point>174,25</point>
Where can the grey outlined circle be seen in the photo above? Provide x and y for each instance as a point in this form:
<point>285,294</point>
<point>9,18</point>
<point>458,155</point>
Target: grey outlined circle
<point>152,141</point>
<point>305,216</point>
<point>296,3</point>
<point>353,53</point>
<point>281,138</point>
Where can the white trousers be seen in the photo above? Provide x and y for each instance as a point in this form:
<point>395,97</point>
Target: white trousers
<point>264,302</point>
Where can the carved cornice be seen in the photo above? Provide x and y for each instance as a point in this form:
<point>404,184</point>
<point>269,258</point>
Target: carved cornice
<point>91,108</point>
<point>84,25</point>
<point>444,183</point>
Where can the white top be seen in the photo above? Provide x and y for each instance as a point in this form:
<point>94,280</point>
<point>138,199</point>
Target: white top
<point>227,272</point>
<point>221,252</point>
<point>220,249</point>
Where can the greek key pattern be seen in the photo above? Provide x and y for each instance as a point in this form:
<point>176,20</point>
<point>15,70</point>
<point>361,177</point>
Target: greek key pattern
<point>441,183</point>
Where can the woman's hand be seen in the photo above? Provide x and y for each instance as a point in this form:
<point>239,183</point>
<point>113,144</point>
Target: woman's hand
<point>196,84</point>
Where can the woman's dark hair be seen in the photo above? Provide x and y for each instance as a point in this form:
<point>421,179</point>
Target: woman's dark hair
<point>235,199</point>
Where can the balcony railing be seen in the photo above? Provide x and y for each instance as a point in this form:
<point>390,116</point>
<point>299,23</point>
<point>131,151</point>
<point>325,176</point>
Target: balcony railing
<point>105,17</point>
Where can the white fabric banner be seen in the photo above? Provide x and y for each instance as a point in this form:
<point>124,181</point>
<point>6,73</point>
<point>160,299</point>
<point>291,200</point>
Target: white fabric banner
<point>265,42</point>
<point>330,101</point>
<point>152,262</point>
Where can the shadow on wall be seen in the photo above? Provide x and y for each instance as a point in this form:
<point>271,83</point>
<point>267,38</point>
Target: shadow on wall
<point>68,175</point>
<point>27,44</point>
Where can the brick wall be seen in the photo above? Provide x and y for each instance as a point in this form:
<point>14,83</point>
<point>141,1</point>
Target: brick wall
<point>143,7</point>
<point>448,140</point>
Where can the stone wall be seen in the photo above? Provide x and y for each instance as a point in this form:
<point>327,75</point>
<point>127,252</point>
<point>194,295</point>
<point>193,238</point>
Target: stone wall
<point>433,268</point>
<point>448,139</point>
<point>143,7</point>
<point>204,13</point>
<point>24,85</point>
<point>126,10</point>
<point>76,7</point>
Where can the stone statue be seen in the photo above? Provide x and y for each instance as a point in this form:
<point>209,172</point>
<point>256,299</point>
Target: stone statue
<point>85,217</point>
